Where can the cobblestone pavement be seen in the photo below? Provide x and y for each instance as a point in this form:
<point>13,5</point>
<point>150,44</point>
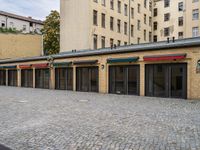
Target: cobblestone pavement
<point>39,119</point>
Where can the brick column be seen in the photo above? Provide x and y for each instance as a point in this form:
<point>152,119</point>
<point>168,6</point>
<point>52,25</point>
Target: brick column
<point>6,77</point>
<point>33,77</point>
<point>52,78</point>
<point>74,78</point>
<point>142,79</point>
<point>103,78</point>
<point>19,77</point>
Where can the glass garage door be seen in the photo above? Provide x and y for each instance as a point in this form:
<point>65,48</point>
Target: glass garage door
<point>27,78</point>
<point>42,78</point>
<point>64,78</point>
<point>124,80</point>
<point>166,80</point>
<point>87,79</point>
<point>12,77</point>
<point>2,77</point>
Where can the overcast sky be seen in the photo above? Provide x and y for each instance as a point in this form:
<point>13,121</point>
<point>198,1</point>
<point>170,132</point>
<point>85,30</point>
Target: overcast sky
<point>38,9</point>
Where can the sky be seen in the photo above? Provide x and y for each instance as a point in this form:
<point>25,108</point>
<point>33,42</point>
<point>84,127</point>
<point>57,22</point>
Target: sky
<point>38,9</point>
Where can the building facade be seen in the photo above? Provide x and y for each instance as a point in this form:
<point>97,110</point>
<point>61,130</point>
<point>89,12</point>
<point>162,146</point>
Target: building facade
<point>20,45</point>
<point>20,23</point>
<point>163,69</point>
<point>93,24</point>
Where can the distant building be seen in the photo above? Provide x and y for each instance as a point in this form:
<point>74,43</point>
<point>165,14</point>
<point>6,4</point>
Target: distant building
<point>93,24</point>
<point>20,23</point>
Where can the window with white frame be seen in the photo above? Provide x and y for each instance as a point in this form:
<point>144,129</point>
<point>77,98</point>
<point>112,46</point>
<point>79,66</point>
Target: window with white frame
<point>195,31</point>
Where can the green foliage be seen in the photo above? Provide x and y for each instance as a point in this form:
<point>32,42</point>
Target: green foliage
<point>9,30</point>
<point>51,32</point>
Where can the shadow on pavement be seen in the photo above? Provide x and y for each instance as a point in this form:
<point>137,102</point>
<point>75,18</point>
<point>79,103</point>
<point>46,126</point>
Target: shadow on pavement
<point>2,147</point>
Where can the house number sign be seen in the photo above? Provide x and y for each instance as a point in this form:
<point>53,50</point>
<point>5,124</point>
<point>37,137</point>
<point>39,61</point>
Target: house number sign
<point>198,66</point>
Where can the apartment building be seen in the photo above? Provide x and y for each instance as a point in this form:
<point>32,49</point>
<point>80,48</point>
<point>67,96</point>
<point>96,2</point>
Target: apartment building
<point>175,18</point>
<point>20,23</point>
<point>93,24</point>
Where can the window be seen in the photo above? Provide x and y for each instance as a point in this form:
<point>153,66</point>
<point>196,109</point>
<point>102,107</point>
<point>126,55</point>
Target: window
<point>118,43</point>
<point>132,30</point>
<point>103,20</point>
<point>180,6</point>
<point>166,3</point>
<point>95,41</point>
<point>138,8</point>
<point>195,31</point>
<point>132,13</point>
<point>150,37</point>
<point>195,14</point>
<point>155,38</point>
<point>31,24</point>
<point>150,21</point>
<point>155,26</point>
<point>166,31</point>
<point>103,2</point>
<point>125,43</point>
<point>3,23</point>
<point>180,35</point>
<point>145,3</point>
<point>166,17</point>
<point>125,28</point>
<point>145,35</point>
<point>24,27</point>
<point>138,40</point>
<point>180,21</point>
<point>119,6</point>
<point>95,1</point>
<point>95,17</point>
<point>125,10</point>
<point>111,23</point>
<point>194,1</point>
<point>112,4</point>
<point>155,12</point>
<point>103,41</point>
<point>111,42</point>
<point>138,25</point>
<point>145,19</point>
<point>118,25</point>
<point>150,6</point>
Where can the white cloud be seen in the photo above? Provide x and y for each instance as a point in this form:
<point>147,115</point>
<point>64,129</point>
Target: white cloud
<point>38,9</point>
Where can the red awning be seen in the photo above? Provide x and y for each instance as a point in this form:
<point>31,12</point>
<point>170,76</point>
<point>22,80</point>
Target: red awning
<point>165,57</point>
<point>45,65</point>
<point>25,66</point>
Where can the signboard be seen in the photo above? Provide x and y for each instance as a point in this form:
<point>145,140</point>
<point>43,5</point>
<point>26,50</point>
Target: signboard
<point>198,66</point>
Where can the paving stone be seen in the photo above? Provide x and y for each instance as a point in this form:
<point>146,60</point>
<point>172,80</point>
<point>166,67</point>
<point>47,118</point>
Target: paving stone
<point>42,119</point>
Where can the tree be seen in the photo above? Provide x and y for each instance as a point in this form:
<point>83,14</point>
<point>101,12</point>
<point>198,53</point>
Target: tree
<point>51,33</point>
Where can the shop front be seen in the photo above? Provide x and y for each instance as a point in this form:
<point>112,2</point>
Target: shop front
<point>2,77</point>
<point>63,76</point>
<point>12,76</point>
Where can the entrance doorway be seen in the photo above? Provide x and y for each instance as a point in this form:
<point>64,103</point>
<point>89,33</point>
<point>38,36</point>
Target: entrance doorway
<point>64,78</point>
<point>124,79</point>
<point>166,80</point>
<point>2,77</point>
<point>87,79</point>
<point>12,77</point>
<point>27,78</point>
<point>42,78</point>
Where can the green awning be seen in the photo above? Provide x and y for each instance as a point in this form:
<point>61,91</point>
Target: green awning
<point>122,60</point>
<point>8,67</point>
<point>62,64</point>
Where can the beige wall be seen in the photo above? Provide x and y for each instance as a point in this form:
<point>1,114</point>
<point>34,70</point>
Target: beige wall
<point>20,45</point>
<point>193,79</point>
<point>77,27</point>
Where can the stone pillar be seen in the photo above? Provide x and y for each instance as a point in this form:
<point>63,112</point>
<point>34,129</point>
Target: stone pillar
<point>19,77</point>
<point>33,77</point>
<point>6,77</point>
<point>103,78</point>
<point>74,78</point>
<point>52,78</point>
<point>142,79</point>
